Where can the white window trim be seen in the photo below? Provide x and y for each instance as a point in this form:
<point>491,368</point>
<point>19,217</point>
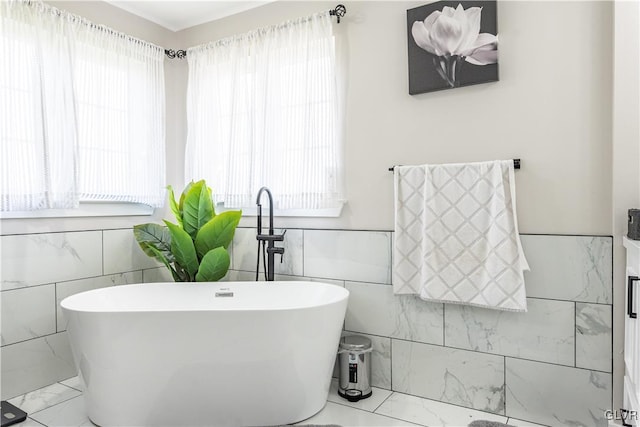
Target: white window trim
<point>317,213</point>
<point>86,209</point>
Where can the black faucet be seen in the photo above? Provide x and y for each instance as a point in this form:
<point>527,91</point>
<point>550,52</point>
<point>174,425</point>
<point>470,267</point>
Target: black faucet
<point>270,239</point>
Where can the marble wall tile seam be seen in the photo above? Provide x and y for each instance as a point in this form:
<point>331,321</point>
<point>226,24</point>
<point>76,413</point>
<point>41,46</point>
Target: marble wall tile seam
<point>30,287</point>
<point>569,300</point>
<point>31,339</point>
<point>102,237</point>
<point>62,282</point>
<point>52,232</point>
<point>597,371</point>
<point>477,351</point>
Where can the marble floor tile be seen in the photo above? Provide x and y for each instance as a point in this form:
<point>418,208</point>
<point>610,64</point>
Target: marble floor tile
<point>29,422</point>
<point>73,382</point>
<point>66,414</point>
<point>432,413</point>
<point>519,423</point>
<point>45,397</point>
<point>378,395</point>
<point>345,416</point>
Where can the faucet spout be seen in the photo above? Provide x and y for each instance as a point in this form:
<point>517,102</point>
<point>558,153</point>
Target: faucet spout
<point>269,239</point>
<point>265,189</point>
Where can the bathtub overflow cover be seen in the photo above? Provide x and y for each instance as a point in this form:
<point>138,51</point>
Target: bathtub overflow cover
<point>224,293</point>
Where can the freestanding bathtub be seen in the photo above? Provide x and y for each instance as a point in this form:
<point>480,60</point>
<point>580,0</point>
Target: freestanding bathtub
<point>205,354</point>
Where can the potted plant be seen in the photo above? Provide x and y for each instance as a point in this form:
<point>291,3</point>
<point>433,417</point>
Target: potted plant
<point>194,249</point>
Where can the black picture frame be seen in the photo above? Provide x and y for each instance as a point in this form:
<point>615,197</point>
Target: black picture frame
<point>430,72</point>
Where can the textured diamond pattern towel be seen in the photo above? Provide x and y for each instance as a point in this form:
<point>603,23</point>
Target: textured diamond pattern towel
<point>456,235</point>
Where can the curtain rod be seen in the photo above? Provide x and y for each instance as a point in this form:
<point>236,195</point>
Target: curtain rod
<point>516,165</point>
<point>339,12</point>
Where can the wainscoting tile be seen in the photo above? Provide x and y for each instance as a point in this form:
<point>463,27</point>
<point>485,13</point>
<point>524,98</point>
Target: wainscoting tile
<point>572,268</point>
<point>593,336</point>
<point>33,364</point>
<point>329,281</point>
<point>245,250</point>
<point>287,278</point>
<point>37,259</point>
<point>122,253</point>
<point>545,332</point>
<point>28,313</point>
<point>432,413</point>
<point>470,379</point>
<point>380,360</point>
<point>378,395</point>
<point>556,395</point>
<point>157,275</point>
<point>239,276</point>
<point>374,309</point>
<point>66,289</point>
<point>363,256</point>
<point>43,398</point>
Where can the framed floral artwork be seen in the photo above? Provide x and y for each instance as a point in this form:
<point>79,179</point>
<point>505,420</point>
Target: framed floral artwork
<point>452,44</point>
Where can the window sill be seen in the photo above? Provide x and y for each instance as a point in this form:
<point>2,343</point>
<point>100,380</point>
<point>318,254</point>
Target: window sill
<point>309,213</point>
<point>86,209</point>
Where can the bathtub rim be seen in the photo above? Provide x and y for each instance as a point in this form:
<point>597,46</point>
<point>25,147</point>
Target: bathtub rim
<point>68,303</point>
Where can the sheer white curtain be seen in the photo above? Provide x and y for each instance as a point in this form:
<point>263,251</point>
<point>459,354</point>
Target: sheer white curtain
<point>81,112</point>
<point>119,84</point>
<point>38,138</point>
<point>263,109</point>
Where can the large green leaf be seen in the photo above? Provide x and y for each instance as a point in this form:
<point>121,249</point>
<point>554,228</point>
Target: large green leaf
<point>214,265</point>
<point>183,195</point>
<point>174,206</point>
<point>197,209</point>
<point>163,259</point>
<point>183,249</point>
<point>154,236</point>
<point>217,232</point>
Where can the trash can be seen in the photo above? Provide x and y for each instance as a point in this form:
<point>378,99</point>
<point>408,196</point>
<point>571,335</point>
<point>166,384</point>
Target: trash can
<point>354,361</point>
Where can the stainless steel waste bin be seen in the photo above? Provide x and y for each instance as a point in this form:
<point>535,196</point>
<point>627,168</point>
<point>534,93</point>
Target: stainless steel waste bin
<point>354,361</point>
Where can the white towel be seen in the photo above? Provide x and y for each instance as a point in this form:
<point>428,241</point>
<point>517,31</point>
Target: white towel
<point>456,235</point>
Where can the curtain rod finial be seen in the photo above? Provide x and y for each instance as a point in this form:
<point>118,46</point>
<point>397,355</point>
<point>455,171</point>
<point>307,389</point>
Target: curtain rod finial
<point>339,11</point>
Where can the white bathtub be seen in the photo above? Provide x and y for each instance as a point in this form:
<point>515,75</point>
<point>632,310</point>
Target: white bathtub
<point>175,354</point>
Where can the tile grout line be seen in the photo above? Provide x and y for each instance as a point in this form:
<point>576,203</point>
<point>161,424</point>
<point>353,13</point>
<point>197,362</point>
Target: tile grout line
<point>58,403</point>
<point>382,403</point>
<point>382,415</point>
<point>482,352</point>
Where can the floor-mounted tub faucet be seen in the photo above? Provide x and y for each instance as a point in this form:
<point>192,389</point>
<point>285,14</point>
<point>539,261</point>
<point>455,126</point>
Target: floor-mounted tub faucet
<point>270,239</point>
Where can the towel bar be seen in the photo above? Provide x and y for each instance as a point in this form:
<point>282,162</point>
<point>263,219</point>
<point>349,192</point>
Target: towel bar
<point>516,165</point>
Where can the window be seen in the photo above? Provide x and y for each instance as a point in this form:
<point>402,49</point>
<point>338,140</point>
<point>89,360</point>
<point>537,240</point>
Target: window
<point>81,112</point>
<point>263,110</point>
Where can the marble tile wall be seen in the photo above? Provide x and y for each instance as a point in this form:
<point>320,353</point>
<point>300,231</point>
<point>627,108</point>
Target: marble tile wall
<point>499,362</point>
<point>39,271</point>
<point>474,357</point>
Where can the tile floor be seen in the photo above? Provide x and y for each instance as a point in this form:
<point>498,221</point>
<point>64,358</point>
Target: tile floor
<point>62,405</point>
